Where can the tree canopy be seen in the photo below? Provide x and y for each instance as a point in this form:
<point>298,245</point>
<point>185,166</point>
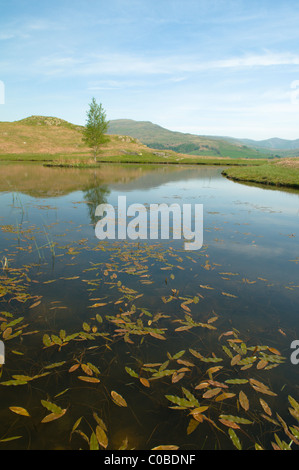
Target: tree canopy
<point>96,127</point>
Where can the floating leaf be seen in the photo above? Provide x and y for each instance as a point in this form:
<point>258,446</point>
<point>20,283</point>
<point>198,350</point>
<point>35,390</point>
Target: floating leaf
<point>243,400</point>
<point>93,380</point>
<point>179,354</point>
<point>93,442</point>
<point>190,397</point>
<point>19,411</point>
<point>118,399</point>
<point>167,447</point>
<point>6,333</point>
<point>8,439</point>
<point>87,370</point>
<point>101,437</point>
<point>144,382</point>
<point>235,439</point>
<point>74,367</point>
<point>179,401</point>
<point>236,381</point>
<point>224,396</point>
<point>54,365</point>
<point>235,360</point>
<point>193,423</point>
<point>211,393</point>
<point>229,424</point>
<point>131,372</point>
<point>51,407</point>
<point>236,419</point>
<point>35,304</point>
<point>163,373</point>
<point>53,416</point>
<point>177,377</point>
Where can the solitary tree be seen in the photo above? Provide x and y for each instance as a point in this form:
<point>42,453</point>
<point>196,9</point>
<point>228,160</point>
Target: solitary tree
<point>95,128</point>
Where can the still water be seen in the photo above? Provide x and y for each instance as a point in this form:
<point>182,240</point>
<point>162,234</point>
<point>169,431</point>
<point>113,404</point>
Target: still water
<point>138,344</point>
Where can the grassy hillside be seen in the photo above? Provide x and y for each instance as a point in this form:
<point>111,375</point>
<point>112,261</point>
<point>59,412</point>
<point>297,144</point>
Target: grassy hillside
<point>160,138</point>
<point>48,138</point>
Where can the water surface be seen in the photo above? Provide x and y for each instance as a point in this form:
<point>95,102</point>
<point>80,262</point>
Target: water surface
<point>132,303</point>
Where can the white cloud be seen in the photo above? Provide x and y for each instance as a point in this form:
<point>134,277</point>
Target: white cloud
<point>128,64</point>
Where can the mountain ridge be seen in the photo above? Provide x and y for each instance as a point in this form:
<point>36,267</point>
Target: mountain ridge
<point>274,143</point>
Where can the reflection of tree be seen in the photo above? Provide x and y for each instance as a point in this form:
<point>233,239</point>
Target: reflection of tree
<point>95,194</point>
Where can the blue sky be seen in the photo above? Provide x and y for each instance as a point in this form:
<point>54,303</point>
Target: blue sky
<point>208,67</point>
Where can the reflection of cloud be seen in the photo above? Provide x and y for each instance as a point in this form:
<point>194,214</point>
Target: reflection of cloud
<point>251,249</point>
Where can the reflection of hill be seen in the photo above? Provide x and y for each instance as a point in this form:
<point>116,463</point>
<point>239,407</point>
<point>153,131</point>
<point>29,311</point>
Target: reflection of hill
<point>38,181</point>
<point>168,174</point>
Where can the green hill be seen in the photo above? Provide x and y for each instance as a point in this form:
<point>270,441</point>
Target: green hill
<point>158,137</point>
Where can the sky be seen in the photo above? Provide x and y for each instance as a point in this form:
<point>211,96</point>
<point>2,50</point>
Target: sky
<point>207,67</point>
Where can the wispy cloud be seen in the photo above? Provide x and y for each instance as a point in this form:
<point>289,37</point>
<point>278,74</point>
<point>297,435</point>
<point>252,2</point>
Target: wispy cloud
<point>127,64</point>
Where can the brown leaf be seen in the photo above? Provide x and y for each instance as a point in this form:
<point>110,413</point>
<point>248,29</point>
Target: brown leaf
<point>156,335</point>
<point>211,393</point>
<point>86,369</point>
<point>187,309</point>
<point>224,396</point>
<point>19,411</point>
<point>243,400</point>
<point>235,359</point>
<point>88,379</point>
<point>118,399</point>
<point>265,407</point>
<point>74,367</point>
<point>177,377</point>
<point>35,304</point>
<point>230,424</point>
<point>6,333</point>
<point>274,351</point>
<point>202,385</point>
<point>261,364</point>
<point>144,382</point>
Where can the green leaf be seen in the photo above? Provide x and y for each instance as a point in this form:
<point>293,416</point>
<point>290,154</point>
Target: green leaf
<point>52,407</point>
<point>236,381</point>
<point>191,397</point>
<point>235,439</point>
<point>93,443</point>
<point>179,354</point>
<point>236,419</point>
<point>131,372</point>
<point>179,401</point>
<point>10,439</point>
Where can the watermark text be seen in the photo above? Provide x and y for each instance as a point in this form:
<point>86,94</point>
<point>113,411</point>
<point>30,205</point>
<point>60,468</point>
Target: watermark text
<point>140,222</point>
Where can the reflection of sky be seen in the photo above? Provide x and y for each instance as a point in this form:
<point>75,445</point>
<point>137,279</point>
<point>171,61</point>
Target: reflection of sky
<point>239,220</point>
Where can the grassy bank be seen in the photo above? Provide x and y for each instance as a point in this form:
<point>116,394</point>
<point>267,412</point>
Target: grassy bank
<point>151,158</point>
<point>277,173</point>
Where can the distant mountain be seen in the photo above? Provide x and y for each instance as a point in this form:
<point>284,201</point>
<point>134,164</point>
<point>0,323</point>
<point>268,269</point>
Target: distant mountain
<point>273,144</point>
<point>158,137</point>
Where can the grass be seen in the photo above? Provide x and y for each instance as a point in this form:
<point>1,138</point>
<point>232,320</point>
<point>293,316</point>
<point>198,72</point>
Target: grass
<point>276,173</point>
<point>152,158</point>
